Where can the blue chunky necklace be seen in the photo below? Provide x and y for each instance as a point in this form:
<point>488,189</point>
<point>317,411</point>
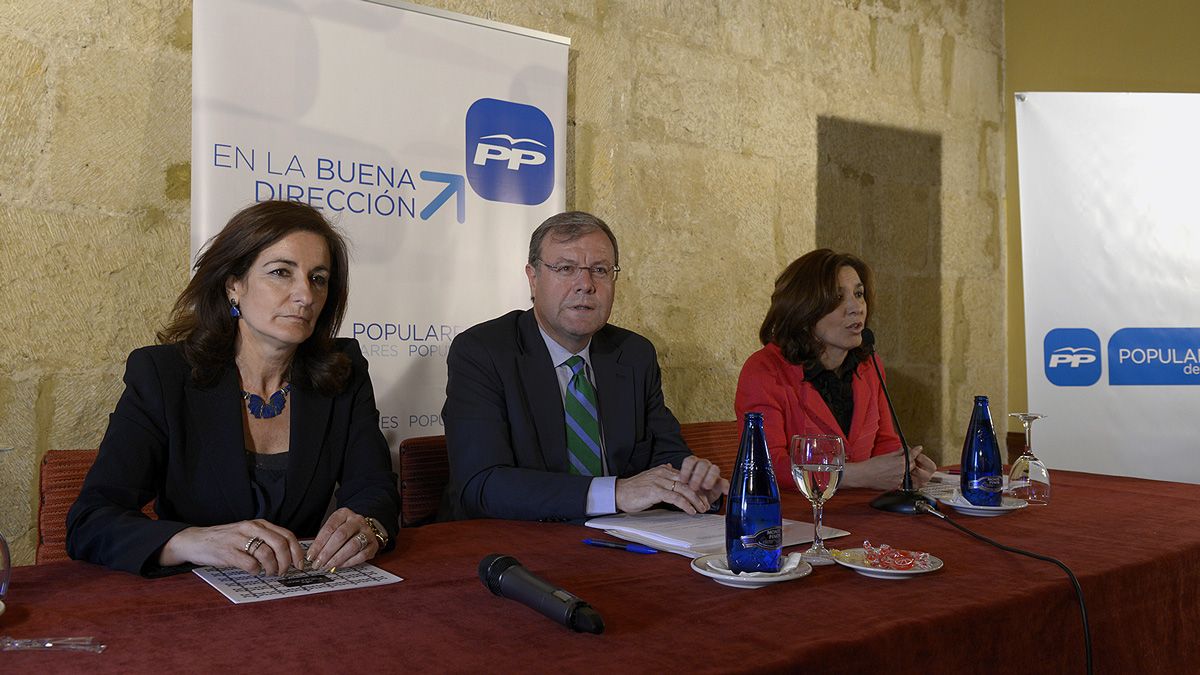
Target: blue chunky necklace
<point>261,409</point>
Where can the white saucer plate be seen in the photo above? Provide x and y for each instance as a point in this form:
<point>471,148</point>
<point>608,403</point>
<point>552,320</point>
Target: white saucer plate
<point>854,558</point>
<point>960,504</point>
<point>704,566</point>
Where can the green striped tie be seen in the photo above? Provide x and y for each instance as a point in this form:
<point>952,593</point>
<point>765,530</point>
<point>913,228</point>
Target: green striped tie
<point>583,425</point>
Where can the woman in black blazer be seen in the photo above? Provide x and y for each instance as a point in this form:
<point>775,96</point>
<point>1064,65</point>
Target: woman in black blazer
<point>246,419</point>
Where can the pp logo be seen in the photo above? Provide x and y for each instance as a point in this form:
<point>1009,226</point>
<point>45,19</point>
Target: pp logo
<point>510,152</point>
<point>1072,357</point>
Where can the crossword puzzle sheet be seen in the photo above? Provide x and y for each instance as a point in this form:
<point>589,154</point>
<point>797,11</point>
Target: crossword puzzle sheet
<point>242,587</point>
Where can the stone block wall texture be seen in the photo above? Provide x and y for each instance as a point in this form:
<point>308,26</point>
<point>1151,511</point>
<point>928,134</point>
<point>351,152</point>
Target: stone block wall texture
<point>704,132</point>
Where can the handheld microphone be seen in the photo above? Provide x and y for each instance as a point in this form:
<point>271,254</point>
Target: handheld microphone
<point>507,578</point>
<point>906,499</point>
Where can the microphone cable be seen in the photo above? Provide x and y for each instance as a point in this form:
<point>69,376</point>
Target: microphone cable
<point>923,507</point>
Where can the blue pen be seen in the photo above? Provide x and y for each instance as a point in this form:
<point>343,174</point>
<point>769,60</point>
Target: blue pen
<point>632,548</point>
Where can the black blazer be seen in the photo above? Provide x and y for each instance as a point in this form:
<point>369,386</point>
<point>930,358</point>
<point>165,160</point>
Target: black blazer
<point>505,429</point>
<point>182,445</point>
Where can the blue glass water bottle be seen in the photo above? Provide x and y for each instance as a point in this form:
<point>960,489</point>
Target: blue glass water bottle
<point>754,521</point>
<point>981,481</point>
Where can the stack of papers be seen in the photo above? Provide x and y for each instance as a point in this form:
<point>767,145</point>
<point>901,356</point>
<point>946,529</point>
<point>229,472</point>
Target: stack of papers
<point>692,536</point>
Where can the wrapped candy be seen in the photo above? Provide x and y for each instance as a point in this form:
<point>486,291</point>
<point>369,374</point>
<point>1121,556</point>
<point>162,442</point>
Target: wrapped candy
<point>888,558</point>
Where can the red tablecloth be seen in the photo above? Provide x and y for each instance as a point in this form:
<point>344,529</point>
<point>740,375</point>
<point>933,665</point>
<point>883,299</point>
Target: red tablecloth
<point>1134,544</point>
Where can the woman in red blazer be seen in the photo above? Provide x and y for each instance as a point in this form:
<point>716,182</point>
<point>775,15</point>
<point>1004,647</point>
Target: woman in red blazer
<point>813,375</point>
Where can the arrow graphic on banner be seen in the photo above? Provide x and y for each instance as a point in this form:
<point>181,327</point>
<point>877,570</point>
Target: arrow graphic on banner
<point>454,184</point>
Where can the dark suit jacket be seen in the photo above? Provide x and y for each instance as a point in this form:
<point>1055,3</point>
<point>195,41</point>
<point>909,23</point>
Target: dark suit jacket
<point>182,444</point>
<point>505,429</point>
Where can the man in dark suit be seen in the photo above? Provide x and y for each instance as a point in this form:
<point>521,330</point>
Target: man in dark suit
<point>552,413</point>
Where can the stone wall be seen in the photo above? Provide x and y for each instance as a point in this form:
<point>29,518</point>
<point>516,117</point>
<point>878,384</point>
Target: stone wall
<point>95,132</point>
<point>720,140</point>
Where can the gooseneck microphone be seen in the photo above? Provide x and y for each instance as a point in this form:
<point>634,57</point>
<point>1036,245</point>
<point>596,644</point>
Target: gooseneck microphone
<point>905,499</point>
<point>507,578</point>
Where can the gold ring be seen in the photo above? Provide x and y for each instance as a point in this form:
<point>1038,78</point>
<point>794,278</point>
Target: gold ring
<point>252,545</point>
<point>362,541</point>
<point>673,485</point>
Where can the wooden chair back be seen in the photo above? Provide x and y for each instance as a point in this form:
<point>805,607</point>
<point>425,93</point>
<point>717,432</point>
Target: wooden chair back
<point>715,441</point>
<point>59,483</point>
<point>424,471</point>
<point>61,478</point>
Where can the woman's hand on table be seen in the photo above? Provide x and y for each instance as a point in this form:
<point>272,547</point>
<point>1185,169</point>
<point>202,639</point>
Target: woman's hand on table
<point>923,468</point>
<point>251,545</point>
<point>345,540</point>
<point>886,472</point>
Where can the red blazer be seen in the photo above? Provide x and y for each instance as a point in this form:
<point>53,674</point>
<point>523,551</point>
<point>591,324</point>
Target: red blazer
<point>789,406</point>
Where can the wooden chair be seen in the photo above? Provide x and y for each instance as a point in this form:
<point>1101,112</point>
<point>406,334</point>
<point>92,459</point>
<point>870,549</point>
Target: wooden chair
<point>61,479</point>
<point>715,441</point>
<point>424,471</point>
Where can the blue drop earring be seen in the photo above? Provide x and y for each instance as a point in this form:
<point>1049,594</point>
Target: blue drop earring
<point>233,309</point>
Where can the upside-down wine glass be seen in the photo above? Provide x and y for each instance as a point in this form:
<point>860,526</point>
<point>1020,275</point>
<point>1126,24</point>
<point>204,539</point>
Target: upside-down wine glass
<point>817,463</point>
<point>1029,479</point>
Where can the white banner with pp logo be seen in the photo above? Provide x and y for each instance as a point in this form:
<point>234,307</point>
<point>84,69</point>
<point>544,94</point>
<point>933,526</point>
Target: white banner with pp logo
<point>1110,245</point>
<point>434,140</point>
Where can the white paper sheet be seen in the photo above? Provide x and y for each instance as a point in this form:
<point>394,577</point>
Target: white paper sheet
<point>242,587</point>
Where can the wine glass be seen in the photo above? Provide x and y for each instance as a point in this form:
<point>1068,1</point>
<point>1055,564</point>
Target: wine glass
<point>1029,479</point>
<point>817,463</point>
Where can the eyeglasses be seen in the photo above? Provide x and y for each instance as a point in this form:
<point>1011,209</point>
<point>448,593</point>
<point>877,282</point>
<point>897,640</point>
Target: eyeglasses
<point>598,272</point>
